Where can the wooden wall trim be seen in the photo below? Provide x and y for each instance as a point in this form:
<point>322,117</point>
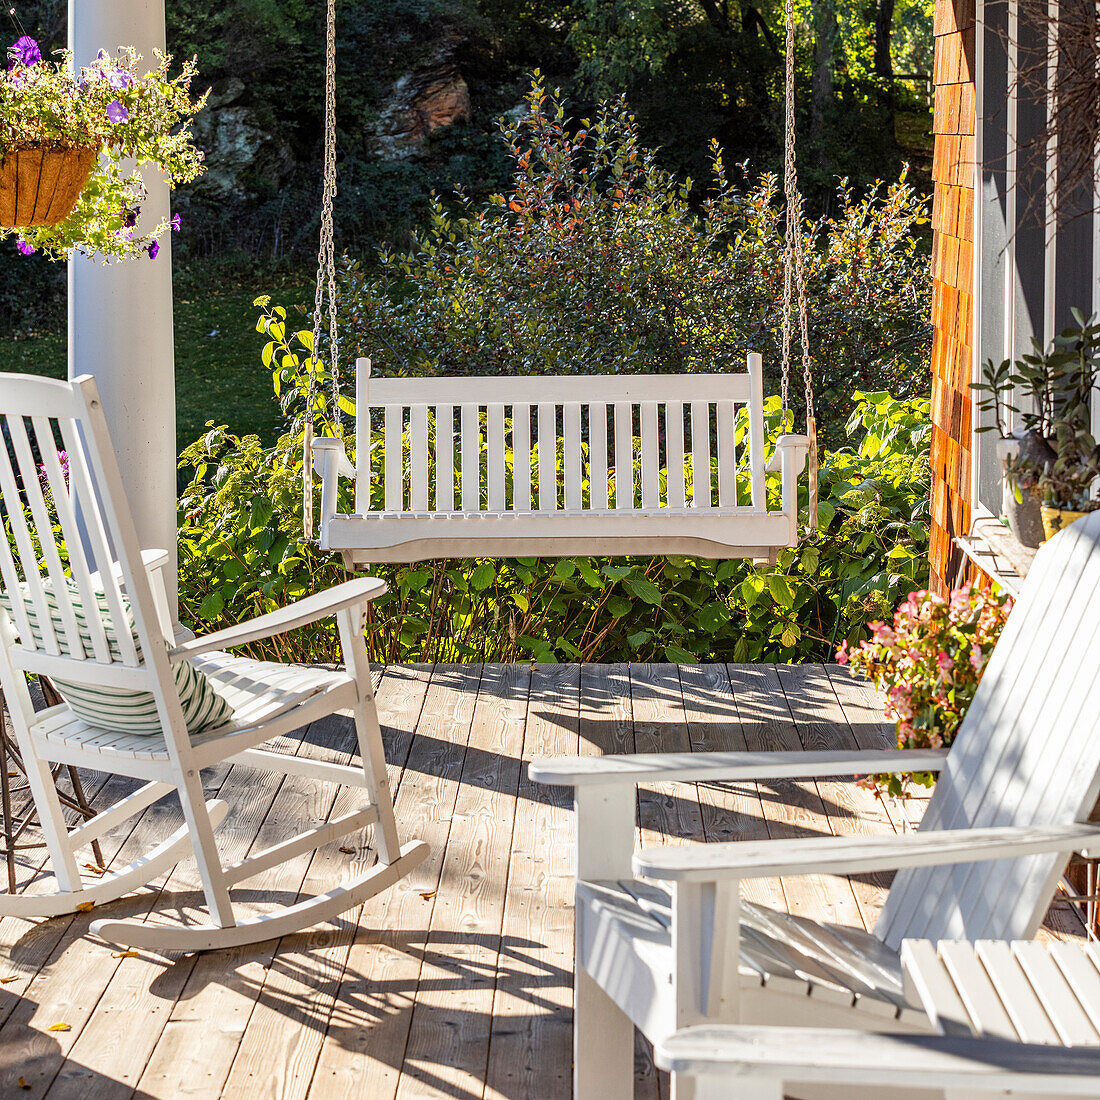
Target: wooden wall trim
<point>952,287</point>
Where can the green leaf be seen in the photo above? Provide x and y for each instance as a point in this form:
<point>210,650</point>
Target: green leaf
<point>780,591</point>
<point>644,589</point>
<point>483,576</point>
<point>680,656</point>
<point>211,607</point>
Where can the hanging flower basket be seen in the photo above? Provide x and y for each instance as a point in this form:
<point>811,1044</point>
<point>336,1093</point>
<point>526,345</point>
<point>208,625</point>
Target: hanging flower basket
<point>69,139</point>
<point>39,184</point>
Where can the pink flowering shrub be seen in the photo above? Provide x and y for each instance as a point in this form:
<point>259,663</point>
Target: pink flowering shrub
<point>929,663</point>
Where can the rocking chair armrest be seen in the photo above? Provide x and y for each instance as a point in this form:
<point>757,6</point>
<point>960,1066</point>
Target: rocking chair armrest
<point>846,855</point>
<point>665,767</point>
<point>301,613</point>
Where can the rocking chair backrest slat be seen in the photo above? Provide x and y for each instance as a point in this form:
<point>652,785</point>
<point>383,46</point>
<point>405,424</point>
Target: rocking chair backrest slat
<point>606,442</point>
<point>1028,753</point>
<point>79,567</point>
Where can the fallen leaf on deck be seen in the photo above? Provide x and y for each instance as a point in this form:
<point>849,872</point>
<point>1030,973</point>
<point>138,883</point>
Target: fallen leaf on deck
<point>85,907</point>
<point>60,1027</point>
<point>427,895</point>
<point>9,978</point>
<point>124,954</point>
<point>347,851</point>
<point>23,1083</point>
<point>94,868</point>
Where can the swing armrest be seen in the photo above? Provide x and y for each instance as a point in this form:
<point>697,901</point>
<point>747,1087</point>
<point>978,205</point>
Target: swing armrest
<point>790,450</point>
<point>330,459</point>
<point>301,613</point>
<point>330,463</point>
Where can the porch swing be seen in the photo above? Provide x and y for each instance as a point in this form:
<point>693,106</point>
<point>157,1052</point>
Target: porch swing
<point>557,466</point>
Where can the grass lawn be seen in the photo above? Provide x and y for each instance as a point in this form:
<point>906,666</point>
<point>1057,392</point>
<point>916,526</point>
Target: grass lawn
<point>219,375</point>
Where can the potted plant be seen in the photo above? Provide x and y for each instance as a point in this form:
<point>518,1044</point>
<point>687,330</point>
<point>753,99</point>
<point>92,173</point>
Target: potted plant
<point>64,137</point>
<point>929,663</point>
<point>1050,457</point>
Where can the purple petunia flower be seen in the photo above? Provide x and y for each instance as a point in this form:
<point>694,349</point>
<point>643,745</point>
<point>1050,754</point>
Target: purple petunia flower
<point>22,246</point>
<point>117,113</point>
<point>130,217</point>
<point>154,248</point>
<point>119,78</point>
<point>25,50</point>
<point>175,223</point>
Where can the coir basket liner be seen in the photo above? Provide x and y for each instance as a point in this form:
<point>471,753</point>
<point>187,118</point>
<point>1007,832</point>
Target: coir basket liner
<point>39,185</point>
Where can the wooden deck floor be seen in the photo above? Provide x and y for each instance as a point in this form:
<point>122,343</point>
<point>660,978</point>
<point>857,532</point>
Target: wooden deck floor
<point>457,982</point>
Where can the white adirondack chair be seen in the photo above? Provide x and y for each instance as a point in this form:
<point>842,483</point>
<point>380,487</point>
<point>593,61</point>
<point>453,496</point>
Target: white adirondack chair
<point>675,946</point>
<point>268,699</point>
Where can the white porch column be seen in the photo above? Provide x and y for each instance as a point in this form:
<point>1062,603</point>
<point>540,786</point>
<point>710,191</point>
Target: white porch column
<point>120,315</point>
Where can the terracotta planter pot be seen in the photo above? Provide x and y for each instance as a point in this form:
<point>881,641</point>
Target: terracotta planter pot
<point>39,185</point>
<point>1054,519</point>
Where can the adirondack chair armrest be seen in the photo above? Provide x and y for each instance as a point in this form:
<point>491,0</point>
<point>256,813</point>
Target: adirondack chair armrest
<point>665,767</point>
<point>301,613</point>
<point>846,855</point>
<point>806,1055</point>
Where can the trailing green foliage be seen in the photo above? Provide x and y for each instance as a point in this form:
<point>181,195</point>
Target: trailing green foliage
<point>596,260</point>
<point>240,555</point>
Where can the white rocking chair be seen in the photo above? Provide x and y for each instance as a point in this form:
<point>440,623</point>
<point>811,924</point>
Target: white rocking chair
<point>84,644</point>
<point>675,946</point>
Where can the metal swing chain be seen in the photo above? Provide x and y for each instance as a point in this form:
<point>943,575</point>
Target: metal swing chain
<point>326,279</point>
<point>794,268</point>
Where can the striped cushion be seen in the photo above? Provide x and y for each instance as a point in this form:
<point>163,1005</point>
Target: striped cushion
<point>120,710</point>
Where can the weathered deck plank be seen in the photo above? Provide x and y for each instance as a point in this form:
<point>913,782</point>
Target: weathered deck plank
<point>457,983</point>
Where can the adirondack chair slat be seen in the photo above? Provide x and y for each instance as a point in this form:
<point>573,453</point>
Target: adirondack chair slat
<point>1083,980</point>
<point>727,467</point>
<point>1021,1002</point>
<point>521,458</point>
<point>1069,1018</point>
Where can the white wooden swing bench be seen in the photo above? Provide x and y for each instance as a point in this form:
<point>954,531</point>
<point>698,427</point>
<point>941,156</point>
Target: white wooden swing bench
<point>640,481</point>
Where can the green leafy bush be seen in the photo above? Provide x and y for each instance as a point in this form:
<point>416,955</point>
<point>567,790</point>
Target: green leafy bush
<point>241,554</point>
<point>597,260</point>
